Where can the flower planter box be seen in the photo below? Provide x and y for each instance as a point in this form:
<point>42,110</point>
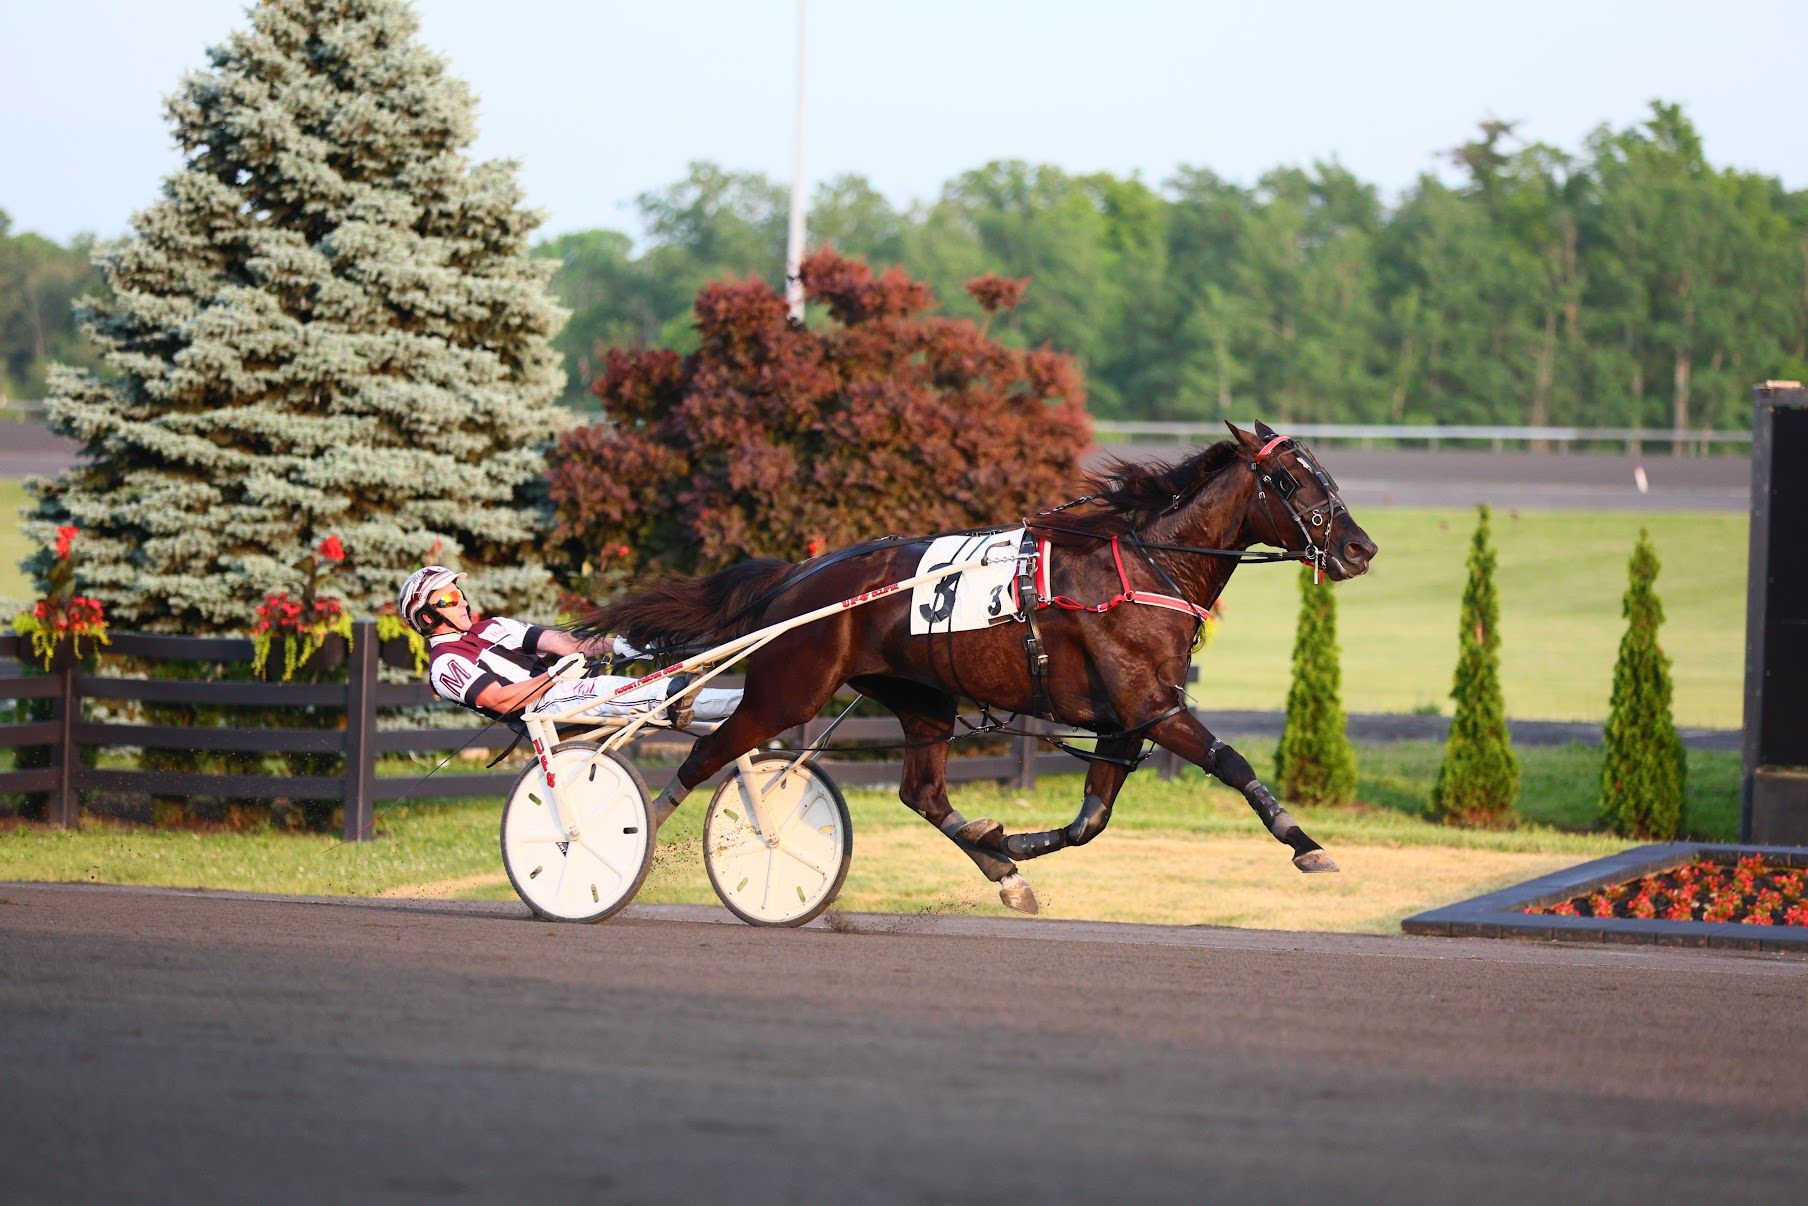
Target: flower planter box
<point>397,652</point>
<point>329,657</point>
<point>1503,914</point>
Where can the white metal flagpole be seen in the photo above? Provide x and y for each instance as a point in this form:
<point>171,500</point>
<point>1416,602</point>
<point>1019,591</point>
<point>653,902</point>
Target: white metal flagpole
<point>794,244</point>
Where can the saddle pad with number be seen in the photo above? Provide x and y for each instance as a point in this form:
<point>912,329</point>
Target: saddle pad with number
<point>971,599</point>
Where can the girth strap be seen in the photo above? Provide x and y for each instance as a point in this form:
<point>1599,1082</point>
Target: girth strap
<point>1033,651</point>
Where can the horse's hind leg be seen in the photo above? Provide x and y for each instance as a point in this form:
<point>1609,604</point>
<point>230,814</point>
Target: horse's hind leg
<point>782,693</point>
<point>1103,780</point>
<point>927,717</point>
<point>1183,734</point>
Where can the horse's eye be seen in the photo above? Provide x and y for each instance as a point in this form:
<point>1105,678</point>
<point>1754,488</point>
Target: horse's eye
<point>1284,485</point>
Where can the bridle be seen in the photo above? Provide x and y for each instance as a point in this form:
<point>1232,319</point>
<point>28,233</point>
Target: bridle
<point>1315,522</point>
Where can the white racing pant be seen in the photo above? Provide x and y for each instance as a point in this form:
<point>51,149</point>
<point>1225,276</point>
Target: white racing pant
<point>710,703</point>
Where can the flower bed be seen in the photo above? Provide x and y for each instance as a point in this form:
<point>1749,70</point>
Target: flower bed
<point>1736,898</point>
<point>1747,892</point>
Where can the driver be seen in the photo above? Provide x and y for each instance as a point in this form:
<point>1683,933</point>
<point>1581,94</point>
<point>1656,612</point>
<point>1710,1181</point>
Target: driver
<point>494,666</point>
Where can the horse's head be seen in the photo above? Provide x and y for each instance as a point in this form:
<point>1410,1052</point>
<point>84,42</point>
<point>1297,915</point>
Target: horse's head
<point>1296,505</point>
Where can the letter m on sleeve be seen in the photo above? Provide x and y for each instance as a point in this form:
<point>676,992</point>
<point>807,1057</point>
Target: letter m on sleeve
<point>454,677</point>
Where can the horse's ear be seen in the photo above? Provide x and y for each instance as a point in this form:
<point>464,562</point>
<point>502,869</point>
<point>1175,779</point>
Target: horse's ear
<point>1264,430</point>
<point>1249,442</point>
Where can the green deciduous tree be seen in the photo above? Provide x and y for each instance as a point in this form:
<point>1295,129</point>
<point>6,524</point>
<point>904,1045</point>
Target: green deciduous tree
<point>1314,763</point>
<point>38,282</point>
<point>1627,282</point>
<point>1478,780</point>
<point>770,437</point>
<point>328,323</point>
<point>1643,769</point>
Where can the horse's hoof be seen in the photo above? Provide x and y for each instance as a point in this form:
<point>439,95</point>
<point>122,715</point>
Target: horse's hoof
<point>1313,862</point>
<point>1017,894</point>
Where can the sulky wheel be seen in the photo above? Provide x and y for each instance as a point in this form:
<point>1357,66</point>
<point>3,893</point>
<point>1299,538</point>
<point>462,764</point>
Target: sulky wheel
<point>790,876</point>
<point>589,874</point>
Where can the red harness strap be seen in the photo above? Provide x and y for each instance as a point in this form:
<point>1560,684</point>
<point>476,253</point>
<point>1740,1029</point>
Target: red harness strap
<point>1126,595</point>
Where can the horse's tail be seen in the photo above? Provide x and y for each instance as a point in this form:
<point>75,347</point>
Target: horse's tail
<point>673,610</point>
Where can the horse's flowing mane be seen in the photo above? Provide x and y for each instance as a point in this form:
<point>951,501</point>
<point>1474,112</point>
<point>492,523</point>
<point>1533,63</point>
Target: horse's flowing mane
<point>1128,495</point>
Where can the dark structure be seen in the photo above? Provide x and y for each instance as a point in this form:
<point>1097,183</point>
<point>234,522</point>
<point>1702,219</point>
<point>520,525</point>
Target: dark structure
<point>1774,799</point>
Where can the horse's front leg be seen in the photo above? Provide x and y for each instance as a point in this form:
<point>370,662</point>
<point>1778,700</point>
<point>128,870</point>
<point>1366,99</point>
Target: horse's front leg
<point>1183,734</point>
<point>1103,781</point>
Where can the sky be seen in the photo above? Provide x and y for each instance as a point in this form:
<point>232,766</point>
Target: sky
<point>601,101</point>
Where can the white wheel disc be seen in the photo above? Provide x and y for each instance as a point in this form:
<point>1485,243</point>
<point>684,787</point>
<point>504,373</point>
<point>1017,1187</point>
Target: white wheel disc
<point>790,879</point>
<point>586,857</point>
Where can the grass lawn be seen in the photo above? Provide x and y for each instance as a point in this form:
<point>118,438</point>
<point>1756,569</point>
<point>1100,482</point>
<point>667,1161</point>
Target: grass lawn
<point>14,586</point>
<point>1561,576</point>
<point>1183,852</point>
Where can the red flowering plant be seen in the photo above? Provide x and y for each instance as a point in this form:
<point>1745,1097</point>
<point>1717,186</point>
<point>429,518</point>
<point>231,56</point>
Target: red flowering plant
<point>301,625</point>
<point>62,615</point>
<point>1748,892</point>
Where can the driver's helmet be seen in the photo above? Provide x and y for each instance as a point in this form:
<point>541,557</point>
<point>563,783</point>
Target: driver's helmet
<point>421,586</point>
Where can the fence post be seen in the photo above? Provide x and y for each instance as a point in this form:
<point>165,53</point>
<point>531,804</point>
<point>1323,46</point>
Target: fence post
<point>65,800</point>
<point>1026,756</point>
<point>361,733</point>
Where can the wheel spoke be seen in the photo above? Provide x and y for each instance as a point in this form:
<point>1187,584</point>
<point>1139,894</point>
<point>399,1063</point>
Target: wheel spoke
<point>806,862</point>
<point>797,813</point>
<point>558,887</point>
<point>598,856</point>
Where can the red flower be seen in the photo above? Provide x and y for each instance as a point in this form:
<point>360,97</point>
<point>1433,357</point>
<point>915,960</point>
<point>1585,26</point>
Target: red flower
<point>622,550</point>
<point>331,549</point>
<point>65,538</point>
<point>816,546</point>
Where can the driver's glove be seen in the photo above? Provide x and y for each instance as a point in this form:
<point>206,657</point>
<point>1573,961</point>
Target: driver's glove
<point>572,665</point>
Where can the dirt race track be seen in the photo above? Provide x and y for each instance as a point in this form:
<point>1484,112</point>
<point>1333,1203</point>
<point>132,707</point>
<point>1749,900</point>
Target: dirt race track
<point>177,1047</point>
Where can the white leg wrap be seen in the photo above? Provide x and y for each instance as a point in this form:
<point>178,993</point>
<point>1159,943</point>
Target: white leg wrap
<point>669,800</point>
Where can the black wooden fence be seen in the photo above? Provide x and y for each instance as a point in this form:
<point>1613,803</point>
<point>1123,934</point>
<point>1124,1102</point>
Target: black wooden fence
<point>361,698</point>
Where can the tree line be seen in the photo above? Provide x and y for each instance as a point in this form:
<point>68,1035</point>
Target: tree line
<point>1627,283</point>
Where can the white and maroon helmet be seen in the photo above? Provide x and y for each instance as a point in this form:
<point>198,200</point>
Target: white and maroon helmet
<point>421,586</point>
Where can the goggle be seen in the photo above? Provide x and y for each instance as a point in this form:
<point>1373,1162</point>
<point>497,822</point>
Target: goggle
<point>450,597</point>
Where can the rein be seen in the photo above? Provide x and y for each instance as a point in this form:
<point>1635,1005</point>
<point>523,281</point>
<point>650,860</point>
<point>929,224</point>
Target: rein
<point>1255,556</point>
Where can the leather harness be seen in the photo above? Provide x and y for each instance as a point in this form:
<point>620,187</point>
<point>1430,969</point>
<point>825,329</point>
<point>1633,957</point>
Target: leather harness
<point>1035,592</point>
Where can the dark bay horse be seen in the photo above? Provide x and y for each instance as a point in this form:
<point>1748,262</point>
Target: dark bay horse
<point>1160,531</point>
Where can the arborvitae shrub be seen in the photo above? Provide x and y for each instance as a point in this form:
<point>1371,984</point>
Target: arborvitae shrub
<point>1314,763</point>
<point>1479,777</point>
<point>1643,769</point>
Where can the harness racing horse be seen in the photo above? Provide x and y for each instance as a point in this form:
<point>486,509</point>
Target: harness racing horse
<point>1165,535</point>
